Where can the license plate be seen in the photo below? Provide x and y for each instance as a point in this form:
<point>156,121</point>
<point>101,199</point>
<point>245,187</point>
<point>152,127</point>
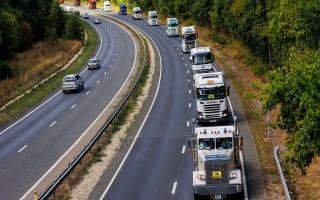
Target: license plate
<point>217,197</point>
<point>213,120</point>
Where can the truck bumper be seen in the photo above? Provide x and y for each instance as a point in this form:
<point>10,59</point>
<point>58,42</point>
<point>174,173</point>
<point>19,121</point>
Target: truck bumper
<point>225,116</point>
<point>226,189</point>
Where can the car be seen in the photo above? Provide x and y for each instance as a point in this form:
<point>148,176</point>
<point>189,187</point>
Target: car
<point>93,63</point>
<point>72,82</point>
<point>96,21</point>
<point>85,16</point>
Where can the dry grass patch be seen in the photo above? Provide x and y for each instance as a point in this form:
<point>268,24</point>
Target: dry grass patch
<point>35,64</point>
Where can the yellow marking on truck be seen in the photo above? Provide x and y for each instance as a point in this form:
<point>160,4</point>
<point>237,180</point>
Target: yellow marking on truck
<point>216,174</point>
<point>210,82</point>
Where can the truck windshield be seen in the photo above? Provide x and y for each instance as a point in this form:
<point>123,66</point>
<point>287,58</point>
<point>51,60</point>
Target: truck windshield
<point>173,24</point>
<point>153,16</point>
<point>200,59</point>
<point>223,143</point>
<point>137,12</point>
<point>189,37</point>
<point>204,94</point>
<point>206,144</point>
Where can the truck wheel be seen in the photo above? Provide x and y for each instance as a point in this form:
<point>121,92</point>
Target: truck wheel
<point>64,91</point>
<point>196,196</point>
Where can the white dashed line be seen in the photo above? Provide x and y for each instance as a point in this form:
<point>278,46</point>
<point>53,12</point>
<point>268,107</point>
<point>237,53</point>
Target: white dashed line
<point>189,105</point>
<point>183,149</point>
<point>174,187</point>
<point>182,58</point>
<point>188,123</point>
<point>116,55</point>
<point>25,146</point>
<point>88,93</point>
<point>189,80</point>
<point>105,73</point>
<point>186,64</point>
<point>189,91</point>
<point>52,124</point>
<point>110,65</point>
<point>72,107</point>
<point>188,72</point>
<point>98,81</point>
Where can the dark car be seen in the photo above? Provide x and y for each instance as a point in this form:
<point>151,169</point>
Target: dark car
<point>85,16</point>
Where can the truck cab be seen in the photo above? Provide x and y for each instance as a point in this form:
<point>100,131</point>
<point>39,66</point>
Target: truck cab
<point>122,9</point>
<point>77,3</point>
<point>211,93</point>
<point>188,38</point>
<point>172,27</point>
<point>107,6</point>
<point>202,60</point>
<point>92,4</point>
<point>217,161</point>
<point>136,13</point>
<point>152,18</point>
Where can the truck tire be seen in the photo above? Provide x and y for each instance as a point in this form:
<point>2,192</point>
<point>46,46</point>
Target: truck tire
<point>196,196</point>
<point>64,91</point>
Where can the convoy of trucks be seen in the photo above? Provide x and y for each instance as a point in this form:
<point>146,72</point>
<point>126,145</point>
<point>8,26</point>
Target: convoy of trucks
<point>188,38</point>
<point>172,27</point>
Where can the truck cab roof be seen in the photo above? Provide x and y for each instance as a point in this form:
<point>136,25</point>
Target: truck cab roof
<point>188,30</point>
<point>209,79</point>
<point>215,131</point>
<point>200,50</point>
<point>136,9</point>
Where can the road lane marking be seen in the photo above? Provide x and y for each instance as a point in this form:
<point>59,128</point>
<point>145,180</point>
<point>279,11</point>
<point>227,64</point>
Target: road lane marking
<point>188,72</point>
<point>189,105</point>
<point>189,91</point>
<point>88,93</point>
<point>72,107</point>
<point>188,123</point>
<point>113,60</point>
<point>98,81</point>
<point>186,64</point>
<point>183,149</point>
<point>173,191</point>
<point>53,123</point>
<point>189,80</point>
<point>182,58</point>
<point>105,73</point>
<point>25,146</point>
<point>110,65</point>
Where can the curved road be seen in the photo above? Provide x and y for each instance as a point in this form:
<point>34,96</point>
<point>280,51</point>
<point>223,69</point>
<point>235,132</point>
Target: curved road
<point>31,145</point>
<point>158,166</point>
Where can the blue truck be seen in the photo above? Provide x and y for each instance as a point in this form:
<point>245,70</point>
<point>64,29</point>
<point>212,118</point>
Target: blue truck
<point>123,9</point>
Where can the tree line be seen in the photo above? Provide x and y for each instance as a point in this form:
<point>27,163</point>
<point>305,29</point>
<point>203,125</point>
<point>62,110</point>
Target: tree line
<point>284,34</point>
<point>23,22</point>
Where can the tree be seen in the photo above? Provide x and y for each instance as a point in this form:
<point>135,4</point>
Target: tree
<point>73,28</point>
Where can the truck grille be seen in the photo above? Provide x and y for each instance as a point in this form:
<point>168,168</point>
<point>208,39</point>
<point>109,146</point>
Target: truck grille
<point>219,168</point>
<point>212,111</point>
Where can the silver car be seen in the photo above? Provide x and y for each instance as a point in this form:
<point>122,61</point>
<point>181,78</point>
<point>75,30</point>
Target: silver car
<point>93,63</point>
<point>72,82</point>
<point>96,21</point>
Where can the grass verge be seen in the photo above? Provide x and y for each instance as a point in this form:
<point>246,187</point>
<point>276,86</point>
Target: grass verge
<point>37,95</point>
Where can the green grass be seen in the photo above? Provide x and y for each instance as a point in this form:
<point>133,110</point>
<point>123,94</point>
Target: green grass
<point>37,95</point>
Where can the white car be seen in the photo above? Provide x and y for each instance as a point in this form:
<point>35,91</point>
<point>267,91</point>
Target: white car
<point>72,82</point>
<point>96,21</point>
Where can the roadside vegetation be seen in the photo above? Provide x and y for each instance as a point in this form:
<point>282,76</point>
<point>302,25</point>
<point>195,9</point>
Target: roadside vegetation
<point>50,40</point>
<point>274,46</point>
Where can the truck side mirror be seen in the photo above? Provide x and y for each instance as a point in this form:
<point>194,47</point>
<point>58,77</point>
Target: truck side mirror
<point>191,143</point>
<point>239,141</point>
<point>228,90</point>
<point>190,59</point>
<point>197,35</point>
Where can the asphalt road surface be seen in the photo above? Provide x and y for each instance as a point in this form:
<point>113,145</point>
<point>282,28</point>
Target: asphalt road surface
<point>30,145</point>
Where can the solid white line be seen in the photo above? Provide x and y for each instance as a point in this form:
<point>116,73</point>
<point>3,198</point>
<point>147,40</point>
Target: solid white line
<point>25,146</point>
<point>53,123</point>
<point>142,125</point>
<point>74,105</point>
<point>88,93</point>
<point>188,123</point>
<point>174,187</point>
<point>189,105</point>
<point>98,81</point>
<point>244,181</point>
<point>84,133</point>
<point>44,103</point>
<point>183,149</point>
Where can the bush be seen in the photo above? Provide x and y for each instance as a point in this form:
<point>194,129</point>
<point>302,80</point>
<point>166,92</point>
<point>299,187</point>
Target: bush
<point>5,71</point>
<point>73,28</point>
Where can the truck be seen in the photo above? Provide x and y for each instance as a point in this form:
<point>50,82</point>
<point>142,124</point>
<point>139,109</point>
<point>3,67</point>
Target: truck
<point>188,38</point>
<point>202,60</point>
<point>218,161</point>
<point>211,94</point>
<point>136,13</point>
<point>122,9</point>
<point>77,3</point>
<point>172,27</point>
<point>152,18</point>
<point>92,4</point>
<point>107,6</point>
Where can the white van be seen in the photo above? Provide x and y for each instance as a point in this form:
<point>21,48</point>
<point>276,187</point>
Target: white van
<point>152,18</point>
<point>107,6</point>
<point>136,13</point>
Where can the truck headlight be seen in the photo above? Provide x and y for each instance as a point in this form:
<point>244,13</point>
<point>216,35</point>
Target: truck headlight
<point>200,114</point>
<point>202,176</point>
<point>233,175</point>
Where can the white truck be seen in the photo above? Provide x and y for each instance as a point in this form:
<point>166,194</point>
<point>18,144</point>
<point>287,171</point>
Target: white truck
<point>172,27</point>
<point>202,60</point>
<point>211,93</point>
<point>188,38</point>
<point>218,161</point>
<point>152,18</point>
<point>136,13</point>
<point>107,6</point>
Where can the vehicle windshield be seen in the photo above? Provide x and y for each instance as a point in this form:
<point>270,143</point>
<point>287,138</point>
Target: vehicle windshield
<point>92,61</point>
<point>173,23</point>
<point>206,144</point>
<point>189,37</point>
<point>204,94</point>
<point>137,12</point>
<point>68,79</point>
<point>201,59</point>
<point>223,143</point>
<point>153,16</point>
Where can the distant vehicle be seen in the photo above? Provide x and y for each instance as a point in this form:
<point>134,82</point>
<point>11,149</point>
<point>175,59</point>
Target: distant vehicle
<point>136,13</point>
<point>122,9</point>
<point>96,21</point>
<point>85,16</point>
<point>188,38</point>
<point>92,4</point>
<point>172,27</point>
<point>77,3</point>
<point>72,82</point>
<point>202,60</point>
<point>93,63</point>
<point>107,6</point>
<point>68,9</point>
<point>152,18</point>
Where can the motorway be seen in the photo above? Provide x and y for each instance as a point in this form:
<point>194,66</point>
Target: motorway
<point>158,166</point>
<point>30,145</point>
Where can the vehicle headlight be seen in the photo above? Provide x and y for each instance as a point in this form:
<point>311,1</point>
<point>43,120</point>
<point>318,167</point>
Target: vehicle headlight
<point>200,114</point>
<point>202,176</point>
<point>233,175</point>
